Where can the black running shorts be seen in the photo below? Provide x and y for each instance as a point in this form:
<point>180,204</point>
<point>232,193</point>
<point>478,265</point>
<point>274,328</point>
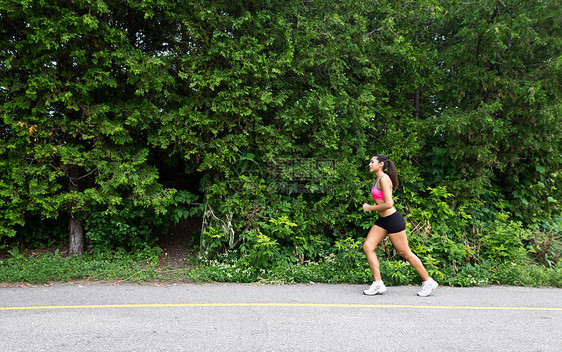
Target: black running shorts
<point>393,223</point>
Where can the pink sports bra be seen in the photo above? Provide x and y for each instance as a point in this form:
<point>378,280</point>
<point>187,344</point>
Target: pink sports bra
<point>377,192</point>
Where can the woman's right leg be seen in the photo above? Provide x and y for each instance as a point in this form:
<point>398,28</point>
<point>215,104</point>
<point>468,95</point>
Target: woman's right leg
<point>375,236</point>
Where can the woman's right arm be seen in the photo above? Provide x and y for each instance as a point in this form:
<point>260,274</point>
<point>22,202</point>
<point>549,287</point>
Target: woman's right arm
<point>386,186</point>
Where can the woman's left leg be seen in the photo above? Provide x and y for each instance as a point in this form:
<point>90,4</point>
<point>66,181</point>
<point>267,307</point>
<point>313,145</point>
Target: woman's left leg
<point>400,242</point>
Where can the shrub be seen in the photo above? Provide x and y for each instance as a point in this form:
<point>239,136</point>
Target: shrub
<point>131,228</point>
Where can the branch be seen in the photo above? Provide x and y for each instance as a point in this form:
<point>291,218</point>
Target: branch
<point>392,18</point>
<point>72,179</point>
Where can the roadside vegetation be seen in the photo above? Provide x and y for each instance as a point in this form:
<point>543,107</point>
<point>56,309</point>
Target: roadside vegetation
<point>121,119</point>
<point>525,261</point>
<point>345,266</point>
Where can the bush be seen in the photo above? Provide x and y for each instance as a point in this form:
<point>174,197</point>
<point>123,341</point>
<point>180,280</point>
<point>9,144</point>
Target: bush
<point>503,241</point>
<point>129,228</point>
<point>546,242</point>
<point>394,273</point>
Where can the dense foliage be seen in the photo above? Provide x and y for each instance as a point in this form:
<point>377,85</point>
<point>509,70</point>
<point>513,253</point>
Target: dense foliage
<point>119,118</point>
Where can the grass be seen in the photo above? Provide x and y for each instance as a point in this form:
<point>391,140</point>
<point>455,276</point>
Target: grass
<point>47,267</point>
<point>144,266</point>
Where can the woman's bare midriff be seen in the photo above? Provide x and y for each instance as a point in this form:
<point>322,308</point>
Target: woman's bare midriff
<point>386,212</point>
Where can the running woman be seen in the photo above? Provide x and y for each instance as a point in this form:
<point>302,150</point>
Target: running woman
<point>391,223</point>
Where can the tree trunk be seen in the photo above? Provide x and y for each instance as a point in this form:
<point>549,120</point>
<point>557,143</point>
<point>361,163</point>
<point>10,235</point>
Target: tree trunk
<point>76,233</point>
<point>75,228</point>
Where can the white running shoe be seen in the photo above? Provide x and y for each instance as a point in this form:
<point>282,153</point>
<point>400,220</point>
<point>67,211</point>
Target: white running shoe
<point>427,287</point>
<point>375,289</point>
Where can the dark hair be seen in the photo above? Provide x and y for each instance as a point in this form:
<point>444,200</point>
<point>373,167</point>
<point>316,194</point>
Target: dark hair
<point>391,169</point>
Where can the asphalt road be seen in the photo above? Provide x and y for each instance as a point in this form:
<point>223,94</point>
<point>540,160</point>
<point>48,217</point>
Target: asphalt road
<point>316,317</point>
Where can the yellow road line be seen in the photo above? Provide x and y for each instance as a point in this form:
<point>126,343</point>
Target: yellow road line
<point>319,305</point>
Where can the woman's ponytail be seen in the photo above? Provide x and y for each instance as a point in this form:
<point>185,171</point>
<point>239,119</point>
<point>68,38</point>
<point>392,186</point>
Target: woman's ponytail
<point>392,174</point>
<point>391,169</point>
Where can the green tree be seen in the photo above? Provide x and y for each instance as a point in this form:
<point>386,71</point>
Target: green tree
<point>283,99</point>
<point>83,84</point>
<point>499,128</point>
<point>275,107</point>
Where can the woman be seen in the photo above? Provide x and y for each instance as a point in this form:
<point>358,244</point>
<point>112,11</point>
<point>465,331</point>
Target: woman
<point>391,223</point>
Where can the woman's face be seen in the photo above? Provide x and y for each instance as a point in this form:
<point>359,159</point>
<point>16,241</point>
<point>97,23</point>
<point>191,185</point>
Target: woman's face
<point>374,165</point>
